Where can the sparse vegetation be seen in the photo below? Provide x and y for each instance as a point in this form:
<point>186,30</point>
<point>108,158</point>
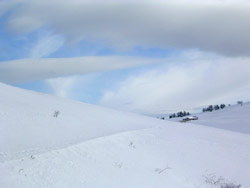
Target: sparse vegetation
<point>219,181</point>
<point>161,170</point>
<point>213,179</point>
<point>56,113</point>
<point>230,185</point>
<point>131,144</point>
<point>211,108</point>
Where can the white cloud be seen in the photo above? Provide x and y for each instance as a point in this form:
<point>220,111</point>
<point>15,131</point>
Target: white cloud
<point>195,82</point>
<point>74,87</point>
<point>39,69</point>
<point>46,45</point>
<point>62,87</point>
<point>220,26</point>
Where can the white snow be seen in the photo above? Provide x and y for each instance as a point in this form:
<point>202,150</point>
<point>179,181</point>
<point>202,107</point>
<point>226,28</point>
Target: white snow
<point>234,118</point>
<point>28,123</point>
<point>94,147</point>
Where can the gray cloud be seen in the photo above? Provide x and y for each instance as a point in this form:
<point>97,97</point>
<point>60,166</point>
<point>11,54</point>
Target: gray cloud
<point>217,26</point>
<point>39,69</point>
<point>5,6</point>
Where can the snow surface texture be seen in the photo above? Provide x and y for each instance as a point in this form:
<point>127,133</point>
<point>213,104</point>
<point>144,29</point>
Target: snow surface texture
<point>94,147</point>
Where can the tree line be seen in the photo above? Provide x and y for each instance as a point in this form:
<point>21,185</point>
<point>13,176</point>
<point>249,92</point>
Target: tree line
<point>210,108</point>
<point>179,114</point>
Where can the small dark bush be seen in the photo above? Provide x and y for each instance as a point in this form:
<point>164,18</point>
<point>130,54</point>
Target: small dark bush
<point>56,113</point>
<point>230,185</point>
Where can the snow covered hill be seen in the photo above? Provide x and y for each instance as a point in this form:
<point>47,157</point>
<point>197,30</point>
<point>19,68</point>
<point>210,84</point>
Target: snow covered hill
<point>94,147</point>
<point>234,118</point>
<point>28,123</point>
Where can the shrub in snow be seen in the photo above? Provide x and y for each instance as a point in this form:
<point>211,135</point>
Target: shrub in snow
<point>131,144</point>
<point>159,170</point>
<point>213,179</point>
<point>56,113</point>
<point>219,181</point>
<point>230,185</point>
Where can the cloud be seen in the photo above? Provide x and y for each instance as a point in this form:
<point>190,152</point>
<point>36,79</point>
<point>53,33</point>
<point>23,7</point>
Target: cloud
<point>62,87</point>
<point>187,80</point>
<point>194,82</point>
<point>46,45</point>
<point>22,70</point>
<point>5,6</point>
<point>81,87</point>
<point>220,26</point>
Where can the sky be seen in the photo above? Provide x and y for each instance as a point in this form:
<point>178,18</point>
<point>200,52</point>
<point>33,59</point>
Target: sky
<point>148,56</point>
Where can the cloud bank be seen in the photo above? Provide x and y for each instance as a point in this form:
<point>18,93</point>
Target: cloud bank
<point>182,86</point>
<point>221,27</point>
<point>22,70</point>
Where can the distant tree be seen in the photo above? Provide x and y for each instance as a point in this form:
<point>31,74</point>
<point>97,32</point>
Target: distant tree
<point>210,108</point>
<point>216,107</point>
<point>222,106</point>
<point>184,113</point>
<point>240,102</point>
<point>178,114</point>
<point>181,114</point>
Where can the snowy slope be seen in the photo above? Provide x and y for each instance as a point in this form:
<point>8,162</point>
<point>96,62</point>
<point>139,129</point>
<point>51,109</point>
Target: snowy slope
<point>27,122</point>
<point>93,147</point>
<point>234,118</point>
